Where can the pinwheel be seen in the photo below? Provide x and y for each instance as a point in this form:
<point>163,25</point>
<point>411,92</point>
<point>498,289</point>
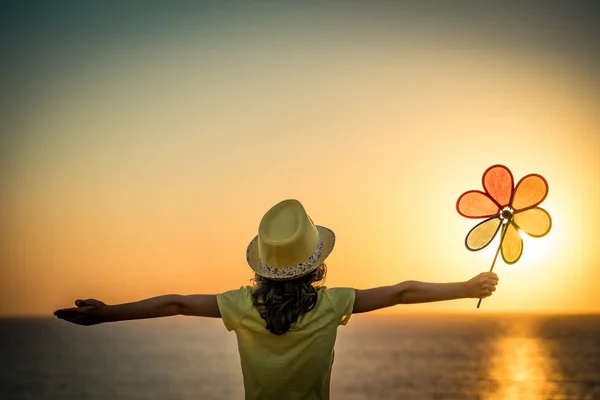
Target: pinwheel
<point>507,208</point>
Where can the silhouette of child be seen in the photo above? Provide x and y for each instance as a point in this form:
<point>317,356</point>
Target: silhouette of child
<point>286,323</point>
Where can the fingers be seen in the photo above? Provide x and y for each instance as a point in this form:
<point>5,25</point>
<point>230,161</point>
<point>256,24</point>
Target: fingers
<point>488,282</point>
<point>488,279</point>
<point>488,287</point>
<point>487,290</point>
<point>489,275</point>
<point>87,302</point>
<point>64,313</point>
<point>80,321</point>
<point>68,314</point>
<point>77,316</point>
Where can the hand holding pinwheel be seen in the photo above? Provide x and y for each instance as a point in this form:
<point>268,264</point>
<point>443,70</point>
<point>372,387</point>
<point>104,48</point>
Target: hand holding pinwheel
<point>512,208</point>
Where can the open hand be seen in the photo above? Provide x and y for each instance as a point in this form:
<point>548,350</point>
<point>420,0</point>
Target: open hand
<point>482,285</point>
<point>88,312</point>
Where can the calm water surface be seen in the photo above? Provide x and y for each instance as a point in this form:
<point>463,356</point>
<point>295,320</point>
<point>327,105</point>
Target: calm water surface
<point>377,357</point>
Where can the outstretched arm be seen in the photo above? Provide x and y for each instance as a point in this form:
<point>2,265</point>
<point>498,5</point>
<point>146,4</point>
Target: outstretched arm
<point>92,311</point>
<point>411,292</point>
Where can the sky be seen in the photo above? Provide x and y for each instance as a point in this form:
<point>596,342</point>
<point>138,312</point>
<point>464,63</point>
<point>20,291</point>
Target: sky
<point>142,142</point>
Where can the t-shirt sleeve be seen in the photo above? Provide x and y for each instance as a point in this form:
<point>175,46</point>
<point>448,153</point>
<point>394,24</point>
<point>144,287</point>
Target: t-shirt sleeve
<point>343,303</point>
<point>233,306</point>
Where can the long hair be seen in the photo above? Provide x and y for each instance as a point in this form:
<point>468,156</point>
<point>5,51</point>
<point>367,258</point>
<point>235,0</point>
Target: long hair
<point>281,303</point>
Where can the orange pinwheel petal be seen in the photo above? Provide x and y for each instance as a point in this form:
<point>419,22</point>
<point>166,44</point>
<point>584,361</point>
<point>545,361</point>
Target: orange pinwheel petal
<point>512,245</point>
<point>482,234</point>
<point>530,191</point>
<point>535,222</point>
<point>476,204</point>
<point>498,183</point>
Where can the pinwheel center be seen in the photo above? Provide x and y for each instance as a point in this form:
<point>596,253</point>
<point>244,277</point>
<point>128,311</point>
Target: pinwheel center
<point>506,214</point>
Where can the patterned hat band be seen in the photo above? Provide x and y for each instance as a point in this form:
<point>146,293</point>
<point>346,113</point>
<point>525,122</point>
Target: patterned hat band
<point>295,270</point>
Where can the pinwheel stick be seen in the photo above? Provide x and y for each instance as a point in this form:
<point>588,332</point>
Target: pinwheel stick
<point>505,229</point>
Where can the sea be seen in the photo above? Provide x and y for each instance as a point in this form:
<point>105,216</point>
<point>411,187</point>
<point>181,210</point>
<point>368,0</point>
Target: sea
<point>432,356</point>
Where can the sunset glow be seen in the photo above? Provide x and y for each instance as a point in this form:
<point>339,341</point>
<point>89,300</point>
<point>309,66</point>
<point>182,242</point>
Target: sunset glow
<point>143,166</point>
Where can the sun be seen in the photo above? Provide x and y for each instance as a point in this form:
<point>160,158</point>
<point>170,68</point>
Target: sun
<point>537,252</point>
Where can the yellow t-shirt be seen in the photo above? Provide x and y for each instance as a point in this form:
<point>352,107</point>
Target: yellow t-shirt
<point>297,364</point>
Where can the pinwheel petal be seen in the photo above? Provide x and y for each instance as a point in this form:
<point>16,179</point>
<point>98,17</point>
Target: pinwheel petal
<point>530,191</point>
<point>512,245</point>
<point>498,183</point>
<point>476,204</point>
<point>482,234</point>
<point>535,221</point>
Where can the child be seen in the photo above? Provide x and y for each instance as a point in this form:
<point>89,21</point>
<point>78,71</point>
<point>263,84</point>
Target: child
<point>286,324</point>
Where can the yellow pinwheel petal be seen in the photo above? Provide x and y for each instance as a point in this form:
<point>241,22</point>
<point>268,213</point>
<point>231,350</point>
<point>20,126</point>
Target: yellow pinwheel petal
<point>512,245</point>
<point>482,234</point>
<point>535,222</point>
<point>530,191</point>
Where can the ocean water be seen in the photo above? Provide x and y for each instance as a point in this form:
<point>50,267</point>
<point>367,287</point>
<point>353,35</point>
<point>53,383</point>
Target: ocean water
<point>496,357</point>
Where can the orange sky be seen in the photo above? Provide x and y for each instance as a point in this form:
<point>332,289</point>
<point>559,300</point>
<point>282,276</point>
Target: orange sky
<point>145,170</point>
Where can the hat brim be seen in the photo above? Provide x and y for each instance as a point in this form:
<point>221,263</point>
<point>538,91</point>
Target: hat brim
<point>328,238</point>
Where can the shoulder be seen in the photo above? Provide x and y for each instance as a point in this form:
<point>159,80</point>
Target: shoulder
<point>234,305</point>
<point>341,300</point>
<point>338,292</point>
<point>240,293</point>
<point>242,289</point>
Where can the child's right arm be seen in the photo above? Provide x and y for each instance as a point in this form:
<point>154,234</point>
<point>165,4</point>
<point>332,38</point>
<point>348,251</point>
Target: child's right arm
<point>411,292</point>
<point>92,311</point>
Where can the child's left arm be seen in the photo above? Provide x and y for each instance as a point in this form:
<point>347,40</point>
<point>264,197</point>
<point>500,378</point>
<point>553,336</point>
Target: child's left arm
<point>411,292</point>
<point>92,311</point>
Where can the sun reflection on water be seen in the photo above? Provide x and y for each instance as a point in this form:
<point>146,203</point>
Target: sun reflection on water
<point>522,367</point>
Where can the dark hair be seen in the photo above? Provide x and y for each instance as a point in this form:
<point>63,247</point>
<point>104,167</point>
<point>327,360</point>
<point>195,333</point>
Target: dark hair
<point>281,303</point>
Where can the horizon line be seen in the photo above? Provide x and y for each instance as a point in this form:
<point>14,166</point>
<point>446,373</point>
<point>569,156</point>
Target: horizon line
<point>386,313</point>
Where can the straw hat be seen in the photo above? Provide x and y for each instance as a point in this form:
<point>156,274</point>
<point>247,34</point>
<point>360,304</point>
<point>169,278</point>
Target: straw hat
<point>288,244</point>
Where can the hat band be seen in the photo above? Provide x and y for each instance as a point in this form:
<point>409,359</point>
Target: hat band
<point>294,270</point>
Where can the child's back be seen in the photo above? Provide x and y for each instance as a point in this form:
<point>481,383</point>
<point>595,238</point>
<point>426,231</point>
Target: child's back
<point>296,364</point>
